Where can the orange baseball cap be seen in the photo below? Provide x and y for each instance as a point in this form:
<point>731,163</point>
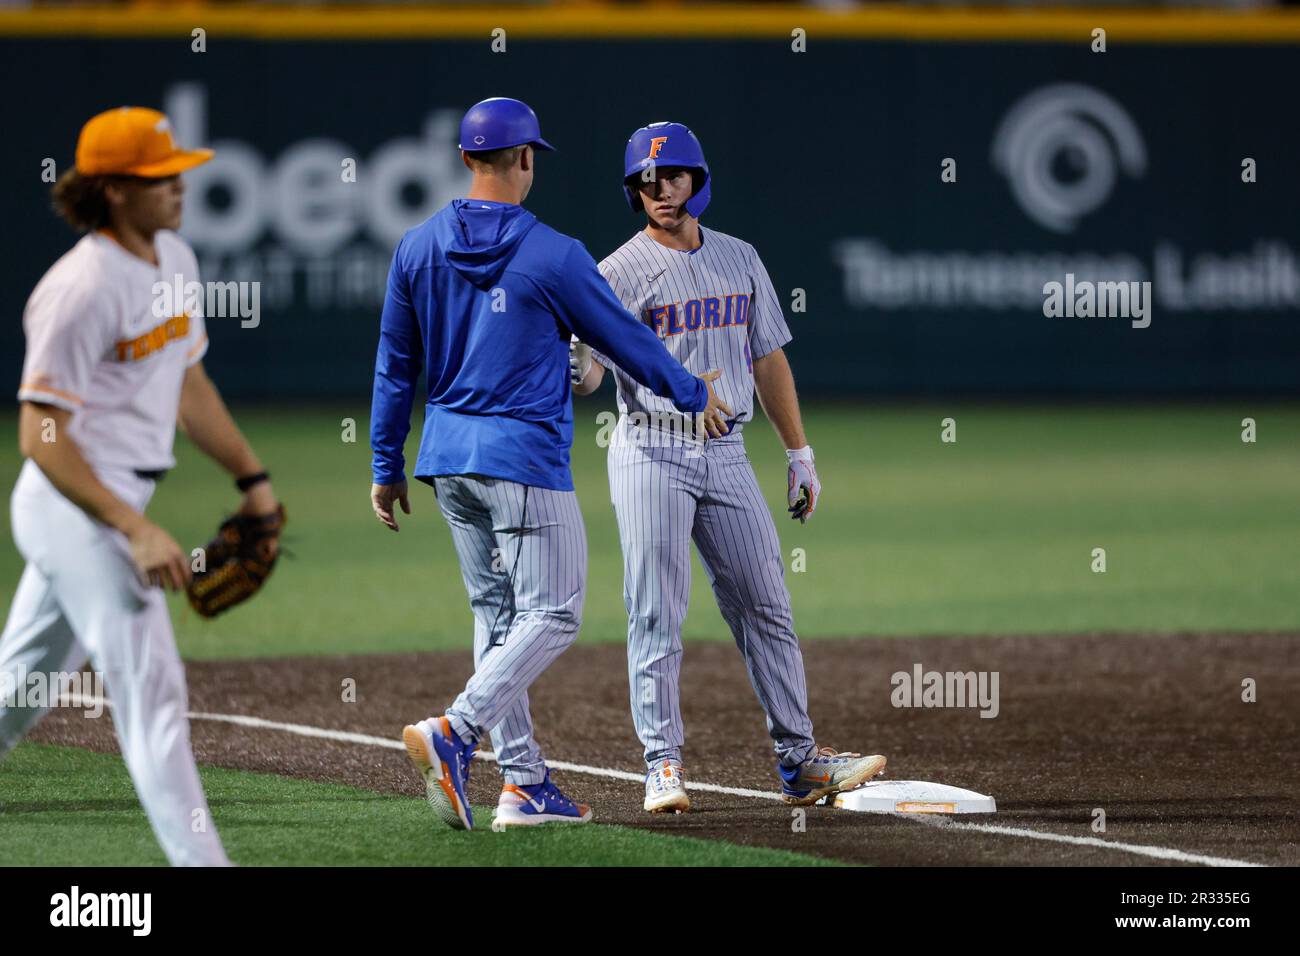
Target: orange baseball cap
<point>133,141</point>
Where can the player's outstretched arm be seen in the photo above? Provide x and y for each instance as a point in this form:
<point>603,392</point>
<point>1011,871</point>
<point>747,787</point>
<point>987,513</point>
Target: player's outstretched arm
<point>203,417</point>
<point>774,383</point>
<point>589,307</point>
<point>44,438</point>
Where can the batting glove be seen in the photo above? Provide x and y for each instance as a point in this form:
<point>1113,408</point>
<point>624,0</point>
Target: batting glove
<point>579,360</point>
<point>802,485</point>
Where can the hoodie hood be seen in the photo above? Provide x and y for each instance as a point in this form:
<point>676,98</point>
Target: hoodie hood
<point>484,238</point>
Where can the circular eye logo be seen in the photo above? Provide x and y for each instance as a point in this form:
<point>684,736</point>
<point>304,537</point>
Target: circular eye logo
<point>1062,148</point>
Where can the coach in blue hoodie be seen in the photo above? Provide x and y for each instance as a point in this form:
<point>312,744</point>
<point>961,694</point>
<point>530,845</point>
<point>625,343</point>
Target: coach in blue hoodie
<point>484,299</point>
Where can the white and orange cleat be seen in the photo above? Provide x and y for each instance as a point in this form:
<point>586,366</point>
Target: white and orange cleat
<point>665,788</point>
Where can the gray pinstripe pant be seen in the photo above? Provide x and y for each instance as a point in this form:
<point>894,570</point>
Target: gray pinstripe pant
<point>665,496</point>
<point>523,555</point>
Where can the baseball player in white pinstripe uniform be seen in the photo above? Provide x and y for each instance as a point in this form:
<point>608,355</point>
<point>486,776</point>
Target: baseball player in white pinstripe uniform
<point>708,298</point>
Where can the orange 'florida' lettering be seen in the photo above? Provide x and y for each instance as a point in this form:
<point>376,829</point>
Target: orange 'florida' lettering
<point>657,144</point>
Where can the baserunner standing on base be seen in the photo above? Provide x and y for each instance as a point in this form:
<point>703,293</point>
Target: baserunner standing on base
<point>710,302</point>
<point>483,299</point>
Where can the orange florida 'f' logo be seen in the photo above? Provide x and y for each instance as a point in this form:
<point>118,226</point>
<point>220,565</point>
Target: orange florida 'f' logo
<point>657,144</point>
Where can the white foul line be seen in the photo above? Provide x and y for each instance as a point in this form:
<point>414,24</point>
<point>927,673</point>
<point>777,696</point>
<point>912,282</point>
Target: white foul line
<point>1158,852</point>
<point>345,736</point>
<point>353,738</point>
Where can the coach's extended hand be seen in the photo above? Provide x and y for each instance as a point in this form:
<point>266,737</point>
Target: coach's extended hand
<point>715,414</point>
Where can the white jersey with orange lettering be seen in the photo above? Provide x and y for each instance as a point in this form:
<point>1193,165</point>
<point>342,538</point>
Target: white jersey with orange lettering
<point>106,345</point>
<point>713,308</point>
<point>104,342</point>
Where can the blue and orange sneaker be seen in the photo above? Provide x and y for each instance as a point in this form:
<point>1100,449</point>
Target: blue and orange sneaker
<point>442,759</point>
<point>825,772</point>
<point>524,806</point>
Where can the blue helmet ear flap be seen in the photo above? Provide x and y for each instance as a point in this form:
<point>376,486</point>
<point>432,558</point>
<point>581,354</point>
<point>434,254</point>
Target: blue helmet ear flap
<point>699,201</point>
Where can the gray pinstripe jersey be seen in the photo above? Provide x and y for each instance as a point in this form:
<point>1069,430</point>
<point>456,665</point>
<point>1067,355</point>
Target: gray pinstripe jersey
<point>713,308</point>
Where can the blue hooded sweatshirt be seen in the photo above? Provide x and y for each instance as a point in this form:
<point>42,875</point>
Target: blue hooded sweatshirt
<point>483,299</point>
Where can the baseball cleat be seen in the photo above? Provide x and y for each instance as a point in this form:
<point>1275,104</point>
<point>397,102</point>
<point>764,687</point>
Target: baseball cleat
<point>442,759</point>
<point>665,788</point>
<point>525,806</point>
<point>827,772</point>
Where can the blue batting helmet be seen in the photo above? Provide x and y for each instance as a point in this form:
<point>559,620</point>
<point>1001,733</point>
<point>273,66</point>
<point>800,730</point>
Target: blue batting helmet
<point>666,144</point>
<point>499,123</point>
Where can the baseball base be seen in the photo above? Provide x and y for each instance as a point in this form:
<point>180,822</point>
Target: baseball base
<point>913,796</point>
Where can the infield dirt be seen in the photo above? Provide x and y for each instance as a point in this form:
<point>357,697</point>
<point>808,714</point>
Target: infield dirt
<point>1150,729</point>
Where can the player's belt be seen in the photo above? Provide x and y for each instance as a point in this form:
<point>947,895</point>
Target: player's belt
<point>157,475</point>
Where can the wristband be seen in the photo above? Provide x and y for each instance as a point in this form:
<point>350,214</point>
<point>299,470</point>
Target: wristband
<point>799,454</point>
<point>248,481</point>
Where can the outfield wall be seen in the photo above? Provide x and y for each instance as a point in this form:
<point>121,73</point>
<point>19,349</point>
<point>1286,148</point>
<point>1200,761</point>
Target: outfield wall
<point>1122,165</point>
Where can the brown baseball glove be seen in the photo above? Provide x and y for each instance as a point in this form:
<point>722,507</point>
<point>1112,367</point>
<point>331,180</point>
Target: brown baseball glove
<point>237,562</point>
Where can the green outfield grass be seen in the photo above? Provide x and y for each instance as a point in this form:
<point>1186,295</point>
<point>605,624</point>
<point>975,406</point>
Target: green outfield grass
<point>66,807</point>
<point>992,534</point>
